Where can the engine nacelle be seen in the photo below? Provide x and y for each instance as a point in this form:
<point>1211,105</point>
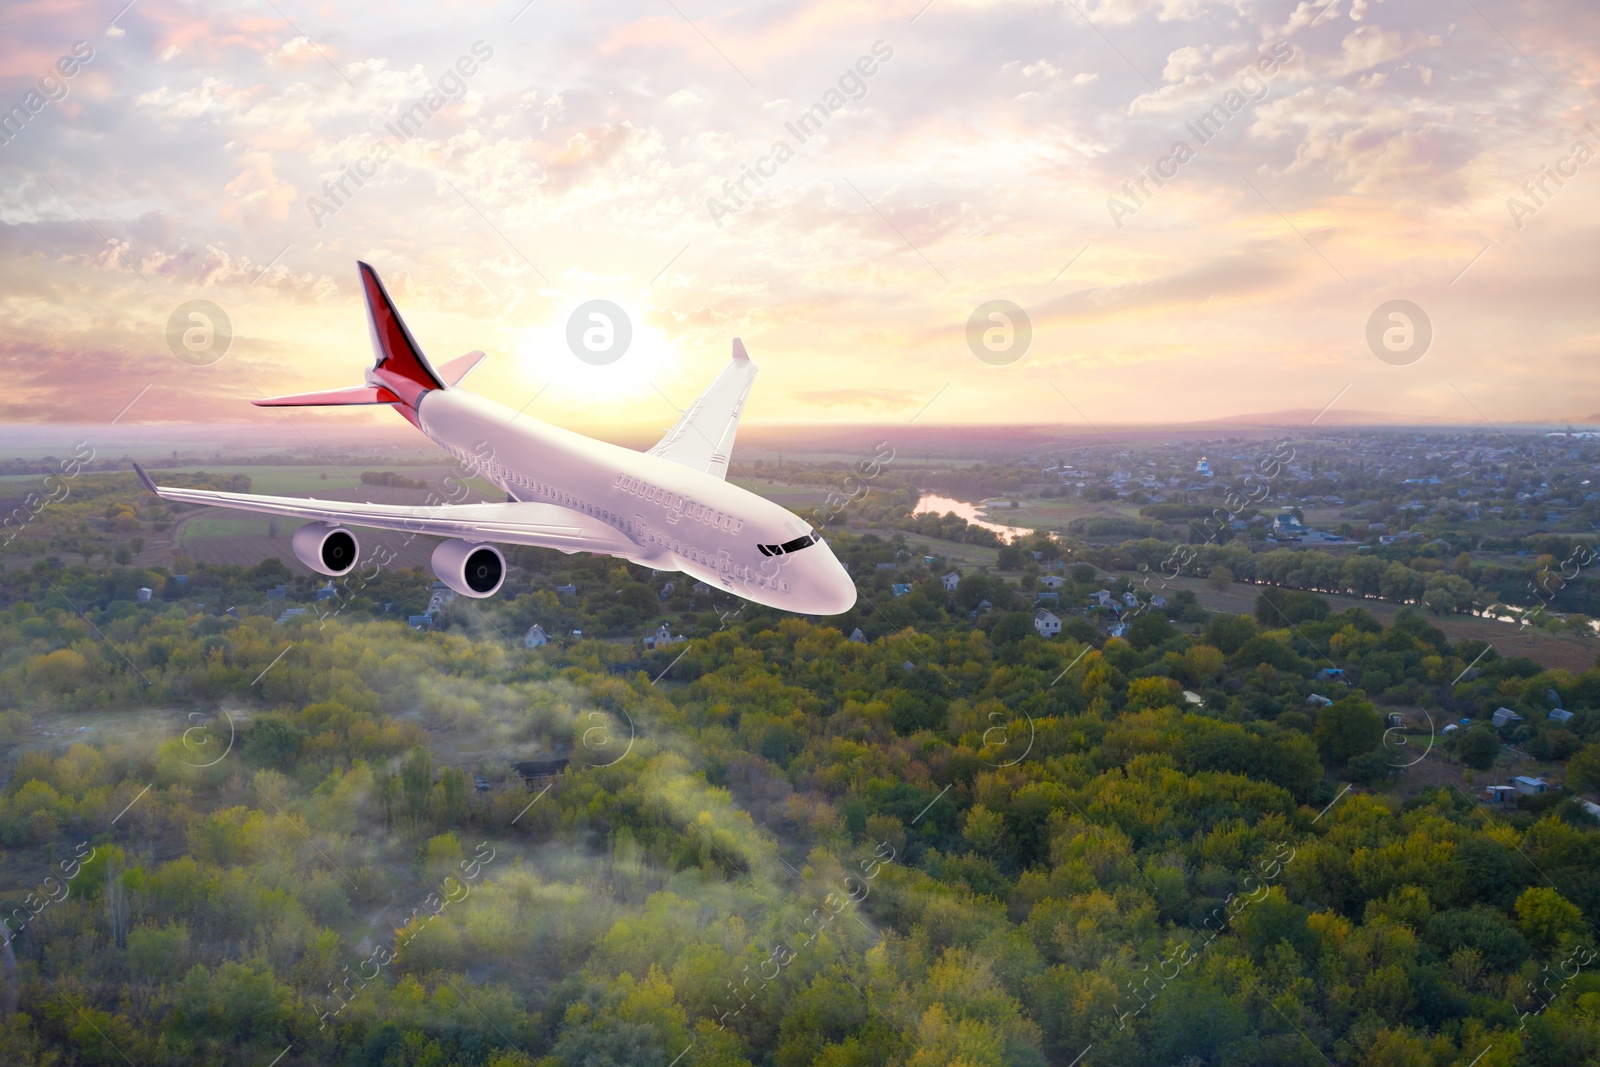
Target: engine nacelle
<point>470,568</point>
<point>326,548</point>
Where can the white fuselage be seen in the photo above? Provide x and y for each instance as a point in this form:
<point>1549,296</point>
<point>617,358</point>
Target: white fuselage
<point>666,516</point>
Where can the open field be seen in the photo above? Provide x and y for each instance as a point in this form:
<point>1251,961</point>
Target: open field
<point>1551,650</point>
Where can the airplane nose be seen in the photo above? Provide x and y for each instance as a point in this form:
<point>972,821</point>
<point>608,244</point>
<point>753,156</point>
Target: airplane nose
<point>829,589</point>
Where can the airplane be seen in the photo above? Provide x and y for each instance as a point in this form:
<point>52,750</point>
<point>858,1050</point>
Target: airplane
<point>669,508</point>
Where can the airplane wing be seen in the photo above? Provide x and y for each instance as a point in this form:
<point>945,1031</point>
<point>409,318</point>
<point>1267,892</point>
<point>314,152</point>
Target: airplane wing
<point>703,438</point>
<point>511,523</point>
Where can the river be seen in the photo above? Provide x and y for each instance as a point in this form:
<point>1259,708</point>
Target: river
<point>932,504</point>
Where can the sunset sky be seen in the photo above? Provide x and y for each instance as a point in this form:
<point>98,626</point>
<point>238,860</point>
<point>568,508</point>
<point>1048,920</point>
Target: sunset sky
<point>194,154</point>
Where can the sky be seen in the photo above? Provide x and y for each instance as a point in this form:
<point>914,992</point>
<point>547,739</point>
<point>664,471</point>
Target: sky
<point>911,172</point>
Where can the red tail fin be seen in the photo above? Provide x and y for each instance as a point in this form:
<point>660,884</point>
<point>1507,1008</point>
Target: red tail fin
<point>399,364</point>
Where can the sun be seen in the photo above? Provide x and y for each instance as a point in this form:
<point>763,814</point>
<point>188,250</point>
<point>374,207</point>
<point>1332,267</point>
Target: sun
<point>600,361</point>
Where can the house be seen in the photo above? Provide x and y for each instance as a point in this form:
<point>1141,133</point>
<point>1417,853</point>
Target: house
<point>1591,807</point>
<point>984,605</point>
<point>1049,598</point>
<point>1046,623</point>
<point>950,581</point>
<point>416,622</point>
<point>699,588</point>
<point>662,637</point>
<point>291,613</point>
<point>1319,700</point>
<point>1052,581</point>
<point>1559,715</point>
<point>1499,794</point>
<point>1117,629</point>
<point>278,592</point>
<point>535,637</point>
<point>1130,599</point>
<point>1158,601</point>
<point>567,590</point>
<point>857,636</point>
<point>886,567</point>
<point>327,592</point>
<point>1331,674</point>
<point>144,594</point>
<point>930,560</point>
<point>1505,717</point>
<point>1529,787</point>
<point>1102,599</point>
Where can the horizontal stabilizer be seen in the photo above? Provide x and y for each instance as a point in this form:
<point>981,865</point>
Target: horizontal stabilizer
<point>359,394</point>
<point>455,372</point>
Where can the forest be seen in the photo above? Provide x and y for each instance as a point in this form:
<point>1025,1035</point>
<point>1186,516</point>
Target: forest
<point>951,842</point>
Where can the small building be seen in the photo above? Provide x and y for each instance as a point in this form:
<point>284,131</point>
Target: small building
<point>985,606</point>
<point>662,638</point>
<point>535,637</point>
<point>278,592</point>
<point>700,589</point>
<point>1130,599</point>
<point>1331,674</point>
<point>930,560</point>
<point>291,613</point>
<point>1591,807</point>
<point>1529,787</point>
<point>1052,581</point>
<point>144,594</point>
<point>1049,598</point>
<point>1318,700</point>
<point>416,622</point>
<point>1158,601</point>
<point>1499,794</point>
<point>1102,599</point>
<point>1559,715</point>
<point>1046,623</point>
<point>1117,629</point>
<point>327,592</point>
<point>567,590</point>
<point>857,636</point>
<point>900,588</point>
<point>1505,717</point>
<point>887,567</point>
<point>950,581</point>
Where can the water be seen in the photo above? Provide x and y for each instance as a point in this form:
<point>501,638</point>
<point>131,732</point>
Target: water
<point>931,503</point>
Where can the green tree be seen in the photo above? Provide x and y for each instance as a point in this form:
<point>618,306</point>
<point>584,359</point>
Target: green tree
<point>1583,769</point>
<point>1346,728</point>
<point>1479,748</point>
<point>1547,919</point>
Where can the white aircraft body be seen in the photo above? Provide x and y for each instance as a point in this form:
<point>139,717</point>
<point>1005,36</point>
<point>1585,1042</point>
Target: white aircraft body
<point>669,508</point>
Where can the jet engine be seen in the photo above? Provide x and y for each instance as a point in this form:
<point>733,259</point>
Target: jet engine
<point>470,568</point>
<point>326,548</point>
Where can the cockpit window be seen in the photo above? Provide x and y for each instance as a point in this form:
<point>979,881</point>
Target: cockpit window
<point>796,545</point>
